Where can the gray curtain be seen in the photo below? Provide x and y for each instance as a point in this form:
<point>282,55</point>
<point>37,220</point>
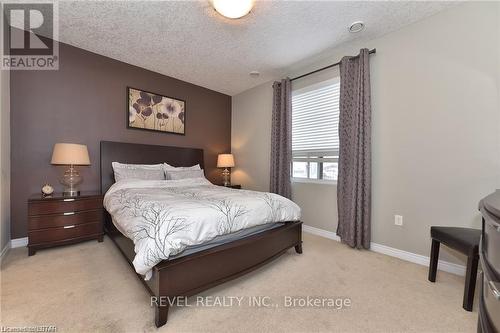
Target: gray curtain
<point>281,138</point>
<point>354,177</point>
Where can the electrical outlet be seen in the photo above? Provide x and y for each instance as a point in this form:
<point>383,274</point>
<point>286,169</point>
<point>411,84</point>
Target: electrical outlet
<point>398,220</point>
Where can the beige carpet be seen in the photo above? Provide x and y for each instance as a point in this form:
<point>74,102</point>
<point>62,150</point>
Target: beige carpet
<point>89,287</point>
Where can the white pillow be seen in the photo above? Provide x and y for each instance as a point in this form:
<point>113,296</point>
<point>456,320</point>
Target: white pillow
<point>184,174</point>
<point>138,171</point>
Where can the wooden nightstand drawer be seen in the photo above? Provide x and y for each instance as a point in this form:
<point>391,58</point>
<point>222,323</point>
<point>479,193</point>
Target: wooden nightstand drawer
<point>64,233</point>
<point>67,218</point>
<point>64,205</point>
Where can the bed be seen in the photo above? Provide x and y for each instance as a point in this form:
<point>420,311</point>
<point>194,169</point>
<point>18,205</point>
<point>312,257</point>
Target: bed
<point>187,274</point>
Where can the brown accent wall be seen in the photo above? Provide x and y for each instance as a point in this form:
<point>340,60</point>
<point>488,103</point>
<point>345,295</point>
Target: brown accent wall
<point>85,102</point>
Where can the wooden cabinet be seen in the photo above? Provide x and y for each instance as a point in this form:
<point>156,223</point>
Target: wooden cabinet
<point>60,220</point>
<point>489,252</point>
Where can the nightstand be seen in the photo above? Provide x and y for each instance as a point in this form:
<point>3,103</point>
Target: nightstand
<point>60,220</point>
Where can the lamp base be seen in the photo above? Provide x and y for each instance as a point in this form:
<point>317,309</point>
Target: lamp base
<point>71,179</point>
<point>71,193</point>
<point>226,177</point>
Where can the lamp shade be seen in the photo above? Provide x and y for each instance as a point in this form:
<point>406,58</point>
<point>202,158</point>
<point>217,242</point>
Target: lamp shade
<point>225,161</point>
<point>70,154</point>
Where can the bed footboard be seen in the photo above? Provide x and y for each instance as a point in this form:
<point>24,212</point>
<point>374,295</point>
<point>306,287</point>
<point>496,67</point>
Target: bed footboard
<point>192,274</point>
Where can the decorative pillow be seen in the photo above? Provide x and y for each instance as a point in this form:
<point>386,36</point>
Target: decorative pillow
<point>138,171</point>
<point>184,174</point>
<point>168,167</point>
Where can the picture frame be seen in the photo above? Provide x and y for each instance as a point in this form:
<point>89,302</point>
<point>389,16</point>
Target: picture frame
<point>155,112</point>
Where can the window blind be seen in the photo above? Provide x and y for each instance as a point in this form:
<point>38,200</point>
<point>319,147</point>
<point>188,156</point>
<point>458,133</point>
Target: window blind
<point>315,119</point>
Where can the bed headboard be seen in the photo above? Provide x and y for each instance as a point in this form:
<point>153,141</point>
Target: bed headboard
<point>135,153</point>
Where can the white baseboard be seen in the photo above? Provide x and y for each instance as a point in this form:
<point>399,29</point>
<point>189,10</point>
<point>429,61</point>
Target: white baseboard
<point>320,232</point>
<point>418,259</point>
<point>12,244</point>
<point>390,251</point>
<point>18,242</point>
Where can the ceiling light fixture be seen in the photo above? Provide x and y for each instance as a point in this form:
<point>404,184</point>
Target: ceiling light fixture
<point>233,9</point>
<point>357,26</point>
<point>254,73</point>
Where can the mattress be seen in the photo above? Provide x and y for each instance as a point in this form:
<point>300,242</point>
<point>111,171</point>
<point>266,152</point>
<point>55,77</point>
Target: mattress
<point>228,238</point>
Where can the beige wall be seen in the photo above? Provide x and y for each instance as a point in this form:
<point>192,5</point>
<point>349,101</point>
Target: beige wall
<point>436,138</point>
<point>4,158</point>
<point>318,203</point>
<point>251,137</point>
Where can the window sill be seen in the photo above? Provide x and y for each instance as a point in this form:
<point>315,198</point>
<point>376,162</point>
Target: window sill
<point>314,181</point>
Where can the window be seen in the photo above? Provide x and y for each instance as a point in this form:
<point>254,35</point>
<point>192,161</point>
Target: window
<point>315,139</point>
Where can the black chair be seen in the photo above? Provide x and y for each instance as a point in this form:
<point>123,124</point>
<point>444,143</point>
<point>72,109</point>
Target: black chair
<point>464,240</point>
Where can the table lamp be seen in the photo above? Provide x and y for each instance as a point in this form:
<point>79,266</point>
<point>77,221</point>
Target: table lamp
<point>72,155</point>
<point>225,161</point>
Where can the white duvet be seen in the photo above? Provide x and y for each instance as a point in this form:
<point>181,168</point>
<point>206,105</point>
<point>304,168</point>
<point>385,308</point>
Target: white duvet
<point>163,217</point>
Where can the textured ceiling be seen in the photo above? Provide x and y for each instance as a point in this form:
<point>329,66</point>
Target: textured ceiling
<point>188,40</point>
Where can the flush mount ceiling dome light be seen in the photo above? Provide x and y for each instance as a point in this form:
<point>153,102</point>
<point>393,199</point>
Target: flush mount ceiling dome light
<point>357,26</point>
<point>233,8</point>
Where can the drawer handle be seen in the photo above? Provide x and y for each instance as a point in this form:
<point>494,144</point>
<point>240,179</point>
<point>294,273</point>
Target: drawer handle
<point>69,213</point>
<point>72,199</point>
<point>495,289</point>
<point>69,226</point>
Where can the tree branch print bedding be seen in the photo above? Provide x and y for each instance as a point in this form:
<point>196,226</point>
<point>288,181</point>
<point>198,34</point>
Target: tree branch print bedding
<point>163,217</point>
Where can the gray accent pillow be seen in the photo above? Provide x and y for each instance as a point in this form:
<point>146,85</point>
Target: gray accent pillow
<point>138,171</point>
<point>168,167</point>
<point>184,174</point>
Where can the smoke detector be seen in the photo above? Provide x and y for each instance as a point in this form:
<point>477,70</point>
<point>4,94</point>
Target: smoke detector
<point>357,26</point>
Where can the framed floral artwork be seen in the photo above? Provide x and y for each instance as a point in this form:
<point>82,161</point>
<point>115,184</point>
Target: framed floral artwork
<point>155,112</point>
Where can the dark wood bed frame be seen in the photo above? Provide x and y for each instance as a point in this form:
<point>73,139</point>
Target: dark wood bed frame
<point>191,274</point>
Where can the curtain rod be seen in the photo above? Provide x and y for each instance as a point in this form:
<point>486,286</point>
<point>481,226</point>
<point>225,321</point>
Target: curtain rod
<point>329,66</point>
